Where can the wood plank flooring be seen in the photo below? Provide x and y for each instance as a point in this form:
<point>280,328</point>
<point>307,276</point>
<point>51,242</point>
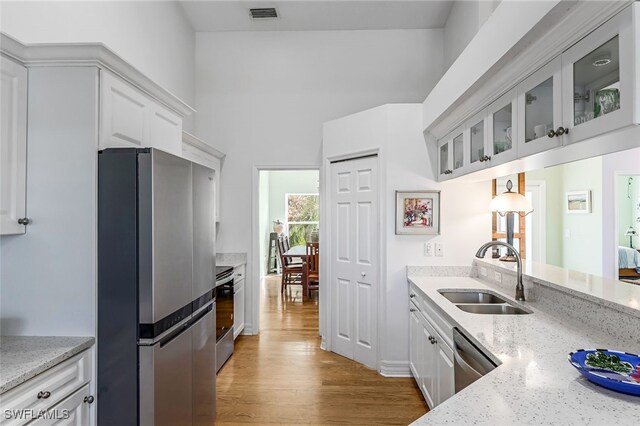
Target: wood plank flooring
<point>283,377</point>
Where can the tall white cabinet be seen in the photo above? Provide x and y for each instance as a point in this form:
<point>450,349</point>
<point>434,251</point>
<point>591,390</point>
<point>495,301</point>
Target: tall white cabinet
<point>13,147</point>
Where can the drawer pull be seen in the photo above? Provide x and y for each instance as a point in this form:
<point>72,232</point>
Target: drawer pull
<point>412,296</point>
<point>89,399</point>
<point>411,310</point>
<point>44,394</point>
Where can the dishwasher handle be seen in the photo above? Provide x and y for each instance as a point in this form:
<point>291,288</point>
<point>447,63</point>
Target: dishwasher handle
<point>471,359</point>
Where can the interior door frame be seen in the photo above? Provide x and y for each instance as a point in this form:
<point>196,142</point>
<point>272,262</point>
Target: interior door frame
<point>325,249</point>
<point>541,185</point>
<point>254,280</point>
<point>613,228</point>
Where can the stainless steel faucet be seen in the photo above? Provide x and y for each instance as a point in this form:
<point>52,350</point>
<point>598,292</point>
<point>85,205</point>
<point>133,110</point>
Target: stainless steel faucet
<point>519,286</point>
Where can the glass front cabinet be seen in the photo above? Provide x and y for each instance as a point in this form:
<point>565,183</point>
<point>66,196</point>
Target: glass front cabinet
<point>451,158</point>
<point>600,90</point>
<point>590,89</point>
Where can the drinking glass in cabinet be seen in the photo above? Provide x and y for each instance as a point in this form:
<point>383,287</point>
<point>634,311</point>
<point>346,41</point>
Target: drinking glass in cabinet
<point>477,142</point>
<point>444,158</point>
<point>502,130</point>
<point>538,111</point>
<point>596,83</point>
<point>458,148</point>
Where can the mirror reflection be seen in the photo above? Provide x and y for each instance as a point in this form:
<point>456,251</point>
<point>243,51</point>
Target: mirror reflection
<point>586,215</point>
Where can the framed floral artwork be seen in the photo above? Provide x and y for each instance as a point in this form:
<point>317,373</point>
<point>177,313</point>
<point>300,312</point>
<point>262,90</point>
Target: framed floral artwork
<point>417,212</point>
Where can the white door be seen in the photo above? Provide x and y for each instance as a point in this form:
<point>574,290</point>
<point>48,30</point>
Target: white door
<point>354,259</point>
<point>13,147</point>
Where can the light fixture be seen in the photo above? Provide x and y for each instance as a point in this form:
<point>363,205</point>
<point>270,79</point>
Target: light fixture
<point>507,204</point>
<point>630,232</point>
<point>601,60</point>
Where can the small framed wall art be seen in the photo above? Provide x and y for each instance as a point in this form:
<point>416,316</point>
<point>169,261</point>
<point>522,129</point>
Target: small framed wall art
<point>417,212</point>
<point>578,202</point>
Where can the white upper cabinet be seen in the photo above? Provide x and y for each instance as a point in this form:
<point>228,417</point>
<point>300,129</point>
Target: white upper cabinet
<point>589,89</point>
<point>129,118</point>
<point>600,90</point>
<point>502,129</point>
<point>13,147</point>
<point>540,110</point>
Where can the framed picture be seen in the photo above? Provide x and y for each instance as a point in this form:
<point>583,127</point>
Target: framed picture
<point>417,212</point>
<point>578,202</point>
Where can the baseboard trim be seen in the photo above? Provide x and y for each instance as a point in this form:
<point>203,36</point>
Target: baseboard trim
<point>248,330</point>
<point>395,369</point>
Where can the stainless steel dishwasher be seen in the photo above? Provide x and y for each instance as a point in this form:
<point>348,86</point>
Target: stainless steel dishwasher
<point>470,363</point>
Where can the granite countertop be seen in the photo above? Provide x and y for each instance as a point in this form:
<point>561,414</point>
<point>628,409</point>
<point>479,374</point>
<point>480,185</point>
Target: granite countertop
<point>23,357</point>
<point>535,384</point>
<point>231,259</point>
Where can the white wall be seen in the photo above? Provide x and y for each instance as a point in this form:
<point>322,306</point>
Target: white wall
<point>154,36</point>
<point>262,98</point>
<point>465,218</point>
<point>48,275</point>
<point>464,21</point>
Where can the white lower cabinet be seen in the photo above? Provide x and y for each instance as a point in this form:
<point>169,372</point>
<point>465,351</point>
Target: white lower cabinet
<point>238,300</point>
<point>430,356</point>
<point>56,396</point>
<point>73,411</point>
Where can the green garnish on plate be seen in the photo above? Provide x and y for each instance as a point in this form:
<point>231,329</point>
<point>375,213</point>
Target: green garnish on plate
<point>603,361</point>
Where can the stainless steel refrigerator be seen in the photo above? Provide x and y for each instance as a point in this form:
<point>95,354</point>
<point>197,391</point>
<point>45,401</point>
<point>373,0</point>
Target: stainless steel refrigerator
<point>156,342</point>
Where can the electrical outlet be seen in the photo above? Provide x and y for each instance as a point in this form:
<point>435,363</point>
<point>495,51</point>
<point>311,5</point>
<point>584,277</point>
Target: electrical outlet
<point>497,276</point>
<point>428,249</point>
<point>439,251</point>
<point>483,271</point>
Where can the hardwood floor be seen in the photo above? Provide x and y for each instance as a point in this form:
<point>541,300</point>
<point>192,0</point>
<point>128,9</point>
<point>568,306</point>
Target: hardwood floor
<point>283,377</point>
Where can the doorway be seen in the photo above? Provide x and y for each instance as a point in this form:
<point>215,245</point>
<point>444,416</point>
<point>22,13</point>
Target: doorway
<point>628,227</point>
<point>288,210</point>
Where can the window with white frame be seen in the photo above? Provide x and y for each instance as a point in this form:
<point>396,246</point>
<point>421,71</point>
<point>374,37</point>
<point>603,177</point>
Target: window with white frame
<point>302,216</point>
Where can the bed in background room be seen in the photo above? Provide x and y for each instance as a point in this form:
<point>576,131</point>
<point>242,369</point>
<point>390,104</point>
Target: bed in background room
<point>629,264</point>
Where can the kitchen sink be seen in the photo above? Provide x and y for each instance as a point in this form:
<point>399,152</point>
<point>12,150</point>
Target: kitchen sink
<point>493,309</point>
<point>476,296</point>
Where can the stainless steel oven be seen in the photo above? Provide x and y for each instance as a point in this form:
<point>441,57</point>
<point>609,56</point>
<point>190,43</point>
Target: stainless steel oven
<point>470,363</point>
<point>224,314</point>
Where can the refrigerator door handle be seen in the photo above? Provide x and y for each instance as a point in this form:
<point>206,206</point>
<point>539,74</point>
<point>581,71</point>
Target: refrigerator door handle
<point>174,335</point>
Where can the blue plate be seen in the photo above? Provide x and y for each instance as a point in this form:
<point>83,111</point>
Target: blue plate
<point>619,382</point>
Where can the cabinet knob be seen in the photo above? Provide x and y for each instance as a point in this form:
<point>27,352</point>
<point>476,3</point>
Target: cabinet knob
<point>89,399</point>
<point>433,340</point>
<point>24,221</point>
<point>551,133</point>
<point>44,394</point>
<point>561,131</point>
<point>486,158</point>
<point>411,310</point>
<point>412,296</point>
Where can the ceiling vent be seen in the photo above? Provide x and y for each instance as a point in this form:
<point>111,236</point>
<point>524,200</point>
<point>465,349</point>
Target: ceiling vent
<point>264,13</point>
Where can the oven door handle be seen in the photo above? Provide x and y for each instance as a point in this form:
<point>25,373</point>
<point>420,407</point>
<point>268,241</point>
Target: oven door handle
<point>225,280</point>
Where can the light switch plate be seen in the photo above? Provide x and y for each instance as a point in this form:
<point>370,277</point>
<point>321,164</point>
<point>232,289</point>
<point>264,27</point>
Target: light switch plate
<point>497,276</point>
<point>428,249</point>
<point>439,251</point>
<point>483,271</point>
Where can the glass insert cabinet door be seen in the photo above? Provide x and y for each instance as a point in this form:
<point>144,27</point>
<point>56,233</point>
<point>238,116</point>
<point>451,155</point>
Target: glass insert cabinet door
<point>502,128</point>
<point>596,83</point>
<point>444,159</point>
<point>599,79</point>
<point>458,151</point>
<point>540,110</point>
<point>476,137</point>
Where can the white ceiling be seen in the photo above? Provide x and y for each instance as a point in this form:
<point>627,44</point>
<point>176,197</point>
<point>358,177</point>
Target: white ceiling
<point>310,15</point>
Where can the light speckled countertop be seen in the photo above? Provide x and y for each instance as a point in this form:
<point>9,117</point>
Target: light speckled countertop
<point>535,384</point>
<point>231,259</point>
<point>23,357</point>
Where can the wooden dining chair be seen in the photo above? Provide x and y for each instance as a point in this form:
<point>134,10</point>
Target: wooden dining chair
<point>292,273</point>
<point>293,260</point>
<point>313,267</point>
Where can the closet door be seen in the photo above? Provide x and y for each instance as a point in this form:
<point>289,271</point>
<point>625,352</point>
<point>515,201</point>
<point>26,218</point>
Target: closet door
<point>354,243</point>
